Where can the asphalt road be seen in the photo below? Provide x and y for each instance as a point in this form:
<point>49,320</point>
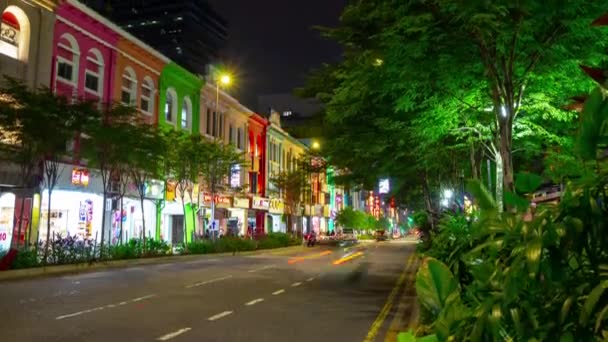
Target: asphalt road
<point>319,294</point>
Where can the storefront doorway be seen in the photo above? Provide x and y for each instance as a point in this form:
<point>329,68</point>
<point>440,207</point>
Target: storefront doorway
<point>177,229</point>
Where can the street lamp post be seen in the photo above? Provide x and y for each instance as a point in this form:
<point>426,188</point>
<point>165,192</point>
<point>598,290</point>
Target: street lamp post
<point>225,80</point>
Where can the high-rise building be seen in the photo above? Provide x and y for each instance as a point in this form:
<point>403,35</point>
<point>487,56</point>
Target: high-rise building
<point>300,117</point>
<point>189,32</point>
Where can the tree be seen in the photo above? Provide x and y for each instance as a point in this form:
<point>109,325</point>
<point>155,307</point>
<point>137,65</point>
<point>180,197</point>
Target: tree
<point>103,146</point>
<point>182,166</point>
<point>292,186</point>
<point>147,151</point>
<point>217,167</point>
<point>478,75</point>
<point>36,125</point>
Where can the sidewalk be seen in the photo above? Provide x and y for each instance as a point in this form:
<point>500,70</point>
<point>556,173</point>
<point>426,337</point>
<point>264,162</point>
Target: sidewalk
<point>116,264</point>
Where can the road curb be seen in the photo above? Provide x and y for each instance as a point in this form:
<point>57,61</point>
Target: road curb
<point>37,272</point>
<point>406,316</point>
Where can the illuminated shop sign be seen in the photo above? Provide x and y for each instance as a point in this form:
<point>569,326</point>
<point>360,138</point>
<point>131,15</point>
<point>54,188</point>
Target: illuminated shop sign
<point>220,201</point>
<point>80,177</point>
<point>9,34</point>
<point>241,202</point>
<point>260,203</point>
<point>235,176</point>
<point>276,206</point>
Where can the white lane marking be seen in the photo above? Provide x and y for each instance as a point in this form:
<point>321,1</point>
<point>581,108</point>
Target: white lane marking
<point>278,292</point>
<point>173,334</point>
<point>261,268</point>
<point>207,282</point>
<point>220,315</point>
<point>255,301</point>
<point>109,306</point>
<point>134,269</point>
<point>202,261</point>
<point>296,284</point>
<point>310,279</point>
<point>138,299</point>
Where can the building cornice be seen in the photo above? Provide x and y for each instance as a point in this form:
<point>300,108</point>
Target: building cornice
<point>93,14</point>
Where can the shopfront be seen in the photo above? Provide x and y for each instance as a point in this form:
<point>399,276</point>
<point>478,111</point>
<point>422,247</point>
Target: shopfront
<point>237,218</point>
<point>222,205</point>
<point>76,205</point>
<point>275,216</point>
<point>172,220</point>
<point>257,215</point>
<point>7,210</point>
<point>307,219</point>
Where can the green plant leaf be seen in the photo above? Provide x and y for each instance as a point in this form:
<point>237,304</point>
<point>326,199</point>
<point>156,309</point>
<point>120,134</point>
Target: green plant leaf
<point>482,195</point>
<point>406,337</point>
<point>516,201</point>
<point>533,256</point>
<point>566,337</point>
<point>527,182</point>
<point>434,284</point>
<point>591,302</point>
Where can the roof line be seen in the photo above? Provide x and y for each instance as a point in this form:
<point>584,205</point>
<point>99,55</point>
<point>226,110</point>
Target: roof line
<point>118,29</point>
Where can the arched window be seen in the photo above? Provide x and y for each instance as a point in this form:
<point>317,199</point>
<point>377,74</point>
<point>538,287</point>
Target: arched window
<point>128,95</point>
<point>186,119</point>
<point>68,54</point>
<point>15,33</point>
<point>147,96</point>
<point>93,74</point>
<point>171,106</point>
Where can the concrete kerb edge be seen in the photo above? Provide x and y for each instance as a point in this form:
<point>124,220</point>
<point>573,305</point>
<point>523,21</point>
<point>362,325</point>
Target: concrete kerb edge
<point>38,272</point>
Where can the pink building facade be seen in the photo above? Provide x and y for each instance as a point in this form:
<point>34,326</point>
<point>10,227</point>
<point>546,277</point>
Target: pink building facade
<point>84,55</point>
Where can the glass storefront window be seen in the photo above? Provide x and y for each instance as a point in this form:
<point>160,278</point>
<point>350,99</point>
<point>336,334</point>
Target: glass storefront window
<point>7,210</point>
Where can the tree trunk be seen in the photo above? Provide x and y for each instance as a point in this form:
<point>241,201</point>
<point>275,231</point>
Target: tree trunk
<point>193,213</point>
<point>185,226</point>
<point>143,218</point>
<point>103,222</point>
<point>499,182</point>
<point>48,226</point>
<point>213,214</point>
<point>428,200</point>
<point>120,211</point>
<point>20,224</point>
<point>474,163</point>
<point>506,155</point>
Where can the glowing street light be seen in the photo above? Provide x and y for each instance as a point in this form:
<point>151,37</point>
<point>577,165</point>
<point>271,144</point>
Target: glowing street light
<point>448,193</point>
<point>225,79</point>
<point>316,145</point>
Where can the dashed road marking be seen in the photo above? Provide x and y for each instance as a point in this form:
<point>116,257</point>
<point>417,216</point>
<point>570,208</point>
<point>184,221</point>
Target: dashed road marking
<point>173,334</point>
<point>261,268</point>
<point>208,282</point>
<point>255,301</point>
<point>220,315</point>
<point>310,279</point>
<point>139,299</point>
<point>278,292</point>
<point>296,284</point>
<point>109,306</point>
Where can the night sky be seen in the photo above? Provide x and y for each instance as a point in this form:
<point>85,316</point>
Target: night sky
<point>272,44</point>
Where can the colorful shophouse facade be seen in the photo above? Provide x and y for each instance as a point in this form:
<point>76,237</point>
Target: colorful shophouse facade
<point>25,52</point>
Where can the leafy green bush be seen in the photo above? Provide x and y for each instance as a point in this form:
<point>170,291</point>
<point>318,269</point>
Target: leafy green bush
<point>451,241</point>
<point>276,240</point>
<point>157,247</point>
<point>26,258</point>
<point>543,279</point>
<point>130,250</point>
<point>223,245</point>
<point>365,236</point>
